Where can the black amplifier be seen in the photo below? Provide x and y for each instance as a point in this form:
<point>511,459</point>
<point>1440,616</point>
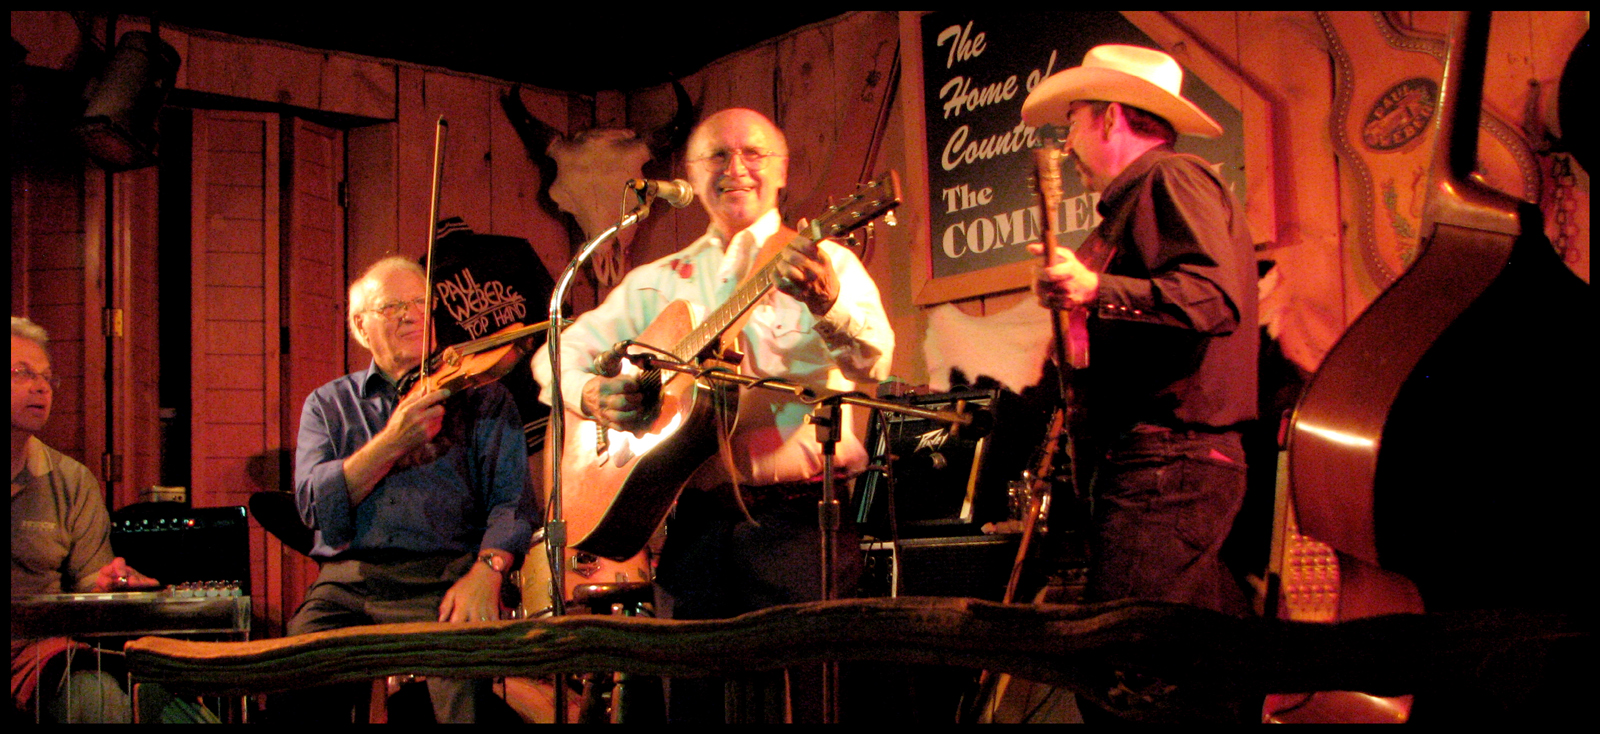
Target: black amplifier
<point>974,566</point>
<point>176,544</point>
<point>945,483</point>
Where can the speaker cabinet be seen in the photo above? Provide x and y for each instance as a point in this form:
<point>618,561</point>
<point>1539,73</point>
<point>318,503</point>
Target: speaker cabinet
<point>973,566</point>
<point>119,125</point>
<point>945,483</point>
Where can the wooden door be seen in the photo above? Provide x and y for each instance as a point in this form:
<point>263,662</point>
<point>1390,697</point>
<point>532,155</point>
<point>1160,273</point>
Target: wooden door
<point>268,318</point>
<point>314,307</point>
<point>235,363</point>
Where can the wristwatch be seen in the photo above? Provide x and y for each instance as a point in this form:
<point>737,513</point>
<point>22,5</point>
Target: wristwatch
<point>496,562</point>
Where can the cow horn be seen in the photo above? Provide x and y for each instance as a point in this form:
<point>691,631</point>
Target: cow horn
<point>536,136</point>
<point>671,136</point>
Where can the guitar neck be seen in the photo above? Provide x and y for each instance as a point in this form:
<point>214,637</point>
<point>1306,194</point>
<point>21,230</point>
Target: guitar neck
<point>1457,199</point>
<point>745,296</point>
<point>1047,184</point>
<point>870,200</point>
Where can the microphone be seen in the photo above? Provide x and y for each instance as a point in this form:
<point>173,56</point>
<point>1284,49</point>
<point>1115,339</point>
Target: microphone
<point>609,362</point>
<point>675,192</point>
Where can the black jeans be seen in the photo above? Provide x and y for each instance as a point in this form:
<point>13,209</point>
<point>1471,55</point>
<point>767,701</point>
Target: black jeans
<point>1164,503</point>
<point>716,564</point>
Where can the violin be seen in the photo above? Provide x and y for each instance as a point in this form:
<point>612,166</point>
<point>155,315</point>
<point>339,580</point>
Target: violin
<point>470,364</point>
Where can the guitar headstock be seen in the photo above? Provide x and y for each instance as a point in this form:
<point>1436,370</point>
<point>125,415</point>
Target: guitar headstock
<point>869,201</point>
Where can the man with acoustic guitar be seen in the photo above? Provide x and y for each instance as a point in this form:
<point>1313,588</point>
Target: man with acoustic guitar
<point>1171,325</point>
<point>746,540</point>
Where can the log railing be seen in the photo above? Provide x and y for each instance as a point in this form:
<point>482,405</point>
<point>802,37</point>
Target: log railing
<point>1151,661</point>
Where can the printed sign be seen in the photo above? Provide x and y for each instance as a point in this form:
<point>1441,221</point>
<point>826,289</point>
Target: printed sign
<point>977,70</point>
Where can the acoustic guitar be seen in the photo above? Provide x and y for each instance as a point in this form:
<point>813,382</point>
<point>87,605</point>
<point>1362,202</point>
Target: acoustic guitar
<point>620,486</point>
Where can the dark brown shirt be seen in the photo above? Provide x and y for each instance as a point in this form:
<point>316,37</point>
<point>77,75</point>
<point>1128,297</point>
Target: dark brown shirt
<point>1173,334</point>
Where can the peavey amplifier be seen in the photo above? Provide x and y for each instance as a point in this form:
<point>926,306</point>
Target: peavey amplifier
<point>175,544</point>
<point>975,566</point>
<point>944,483</point>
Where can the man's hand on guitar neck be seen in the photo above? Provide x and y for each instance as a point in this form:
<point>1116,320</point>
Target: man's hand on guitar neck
<point>1067,283</point>
<point>806,275</point>
<point>615,402</point>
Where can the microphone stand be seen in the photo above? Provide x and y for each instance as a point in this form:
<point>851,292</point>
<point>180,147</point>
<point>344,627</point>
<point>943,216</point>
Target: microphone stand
<point>555,522</point>
<point>826,417</point>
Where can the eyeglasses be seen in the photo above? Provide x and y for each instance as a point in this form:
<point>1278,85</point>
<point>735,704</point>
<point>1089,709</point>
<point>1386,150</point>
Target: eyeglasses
<point>394,309</point>
<point>754,160</point>
<point>23,376</point>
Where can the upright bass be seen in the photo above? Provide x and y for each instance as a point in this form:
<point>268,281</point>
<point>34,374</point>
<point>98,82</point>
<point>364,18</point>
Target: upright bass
<point>1443,436</point>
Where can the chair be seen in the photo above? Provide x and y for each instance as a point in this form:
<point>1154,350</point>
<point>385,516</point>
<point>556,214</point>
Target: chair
<point>278,515</point>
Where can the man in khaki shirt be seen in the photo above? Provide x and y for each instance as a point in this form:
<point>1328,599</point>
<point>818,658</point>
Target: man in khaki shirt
<point>60,540</point>
<point>60,531</point>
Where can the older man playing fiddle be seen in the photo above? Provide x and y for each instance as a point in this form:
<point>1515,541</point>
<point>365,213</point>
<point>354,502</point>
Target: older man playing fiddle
<point>414,499</point>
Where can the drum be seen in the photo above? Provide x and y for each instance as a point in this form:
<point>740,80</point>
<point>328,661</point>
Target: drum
<point>579,569</point>
<point>533,581</point>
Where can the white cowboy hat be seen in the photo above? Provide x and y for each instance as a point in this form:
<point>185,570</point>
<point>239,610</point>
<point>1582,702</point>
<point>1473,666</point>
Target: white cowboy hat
<point>1133,75</point>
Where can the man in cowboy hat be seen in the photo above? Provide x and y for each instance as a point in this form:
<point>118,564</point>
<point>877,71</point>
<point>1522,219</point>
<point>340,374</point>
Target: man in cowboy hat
<point>1172,325</point>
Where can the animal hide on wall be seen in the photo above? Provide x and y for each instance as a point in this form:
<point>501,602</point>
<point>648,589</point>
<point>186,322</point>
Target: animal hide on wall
<point>593,167</point>
<point>1010,346</point>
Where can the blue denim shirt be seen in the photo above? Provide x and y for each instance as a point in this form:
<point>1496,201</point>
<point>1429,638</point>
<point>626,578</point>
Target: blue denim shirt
<point>469,498</point>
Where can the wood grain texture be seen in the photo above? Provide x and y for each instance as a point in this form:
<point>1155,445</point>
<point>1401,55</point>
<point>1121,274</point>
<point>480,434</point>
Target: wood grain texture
<point>1149,661</point>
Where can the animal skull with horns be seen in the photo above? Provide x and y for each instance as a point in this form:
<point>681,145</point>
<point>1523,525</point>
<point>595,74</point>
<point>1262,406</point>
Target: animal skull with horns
<point>584,174</point>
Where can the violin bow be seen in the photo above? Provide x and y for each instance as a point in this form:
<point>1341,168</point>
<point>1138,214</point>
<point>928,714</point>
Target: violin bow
<point>433,237</point>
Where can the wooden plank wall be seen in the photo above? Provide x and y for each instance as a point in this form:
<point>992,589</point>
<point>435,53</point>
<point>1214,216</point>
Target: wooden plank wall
<point>52,259</point>
<point>313,312</point>
<point>1272,49</point>
<point>315,295</point>
<point>235,300</point>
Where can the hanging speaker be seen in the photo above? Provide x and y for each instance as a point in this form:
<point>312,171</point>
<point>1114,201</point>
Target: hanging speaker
<point>119,126</point>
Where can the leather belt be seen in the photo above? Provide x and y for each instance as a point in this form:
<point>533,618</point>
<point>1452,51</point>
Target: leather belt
<point>782,495</point>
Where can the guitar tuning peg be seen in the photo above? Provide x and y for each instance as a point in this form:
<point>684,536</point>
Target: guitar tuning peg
<point>889,218</point>
<point>868,236</point>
